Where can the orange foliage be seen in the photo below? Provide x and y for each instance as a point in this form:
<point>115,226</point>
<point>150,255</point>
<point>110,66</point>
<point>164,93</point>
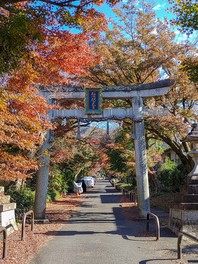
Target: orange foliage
<point>23,119</point>
<point>64,55</point>
<point>48,61</point>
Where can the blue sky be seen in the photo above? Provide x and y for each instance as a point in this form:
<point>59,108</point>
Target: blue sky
<point>161,9</point>
<point>103,125</point>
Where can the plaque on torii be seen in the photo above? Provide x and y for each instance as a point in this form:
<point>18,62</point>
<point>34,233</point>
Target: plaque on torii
<point>93,111</point>
<point>93,101</point>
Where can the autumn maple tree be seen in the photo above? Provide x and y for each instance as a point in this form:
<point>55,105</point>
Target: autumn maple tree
<point>71,158</point>
<point>37,49</point>
<point>140,49</point>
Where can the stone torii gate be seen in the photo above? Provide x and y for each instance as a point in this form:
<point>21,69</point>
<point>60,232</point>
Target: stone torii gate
<point>136,93</point>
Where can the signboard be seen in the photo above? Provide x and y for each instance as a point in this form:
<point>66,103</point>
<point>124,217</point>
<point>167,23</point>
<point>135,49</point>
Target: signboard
<point>93,101</point>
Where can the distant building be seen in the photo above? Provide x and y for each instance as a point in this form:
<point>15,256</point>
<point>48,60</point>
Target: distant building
<point>171,155</point>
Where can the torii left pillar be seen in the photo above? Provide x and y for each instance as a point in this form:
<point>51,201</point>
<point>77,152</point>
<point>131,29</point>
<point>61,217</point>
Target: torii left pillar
<point>42,179</point>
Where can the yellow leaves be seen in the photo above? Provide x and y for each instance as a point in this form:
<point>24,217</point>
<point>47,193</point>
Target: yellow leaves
<point>94,22</point>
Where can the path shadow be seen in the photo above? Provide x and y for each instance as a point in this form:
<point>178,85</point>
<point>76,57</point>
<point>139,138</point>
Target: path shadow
<point>149,260</point>
<point>146,261</point>
<point>129,230</point>
<point>110,189</point>
<point>110,198</point>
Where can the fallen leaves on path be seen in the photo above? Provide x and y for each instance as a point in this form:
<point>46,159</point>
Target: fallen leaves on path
<point>57,212</point>
<point>129,208</point>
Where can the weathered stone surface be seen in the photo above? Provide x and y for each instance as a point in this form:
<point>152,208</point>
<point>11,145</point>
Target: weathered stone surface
<point>189,206</point>
<point>143,90</point>
<point>116,114</point>
<point>180,217</point>
<point>187,212</point>
<point>190,198</point>
<point>7,212</point>
<point>4,199</point>
<point>7,207</point>
<point>7,219</point>
<point>1,189</point>
<point>140,158</point>
<point>193,188</point>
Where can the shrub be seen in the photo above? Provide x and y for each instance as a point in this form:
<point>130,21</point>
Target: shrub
<point>127,186</point>
<point>24,199</point>
<point>58,183</point>
<point>172,176</point>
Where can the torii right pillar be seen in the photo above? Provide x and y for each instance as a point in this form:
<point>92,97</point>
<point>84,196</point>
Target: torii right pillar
<point>140,158</point>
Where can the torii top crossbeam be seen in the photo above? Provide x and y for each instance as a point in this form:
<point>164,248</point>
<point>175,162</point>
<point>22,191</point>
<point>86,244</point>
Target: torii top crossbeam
<point>108,92</point>
<point>118,92</point>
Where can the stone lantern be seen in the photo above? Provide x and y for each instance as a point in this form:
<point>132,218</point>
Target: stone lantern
<point>7,212</point>
<point>193,139</point>
<point>187,211</point>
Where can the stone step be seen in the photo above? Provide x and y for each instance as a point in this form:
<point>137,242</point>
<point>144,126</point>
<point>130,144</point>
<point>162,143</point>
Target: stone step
<point>189,206</point>
<point>190,198</point>
<point>4,198</point>
<point>193,181</point>
<point>7,207</point>
<point>193,188</point>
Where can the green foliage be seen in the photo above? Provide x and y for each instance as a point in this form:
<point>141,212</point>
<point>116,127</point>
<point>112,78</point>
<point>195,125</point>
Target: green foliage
<point>52,194</point>
<point>127,186</point>
<point>116,160</point>
<point>59,183</point>
<point>24,199</point>
<point>16,32</point>
<point>191,67</point>
<point>172,176</point>
<point>186,12</point>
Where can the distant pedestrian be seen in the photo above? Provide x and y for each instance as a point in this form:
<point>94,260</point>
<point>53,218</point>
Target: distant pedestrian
<point>84,186</point>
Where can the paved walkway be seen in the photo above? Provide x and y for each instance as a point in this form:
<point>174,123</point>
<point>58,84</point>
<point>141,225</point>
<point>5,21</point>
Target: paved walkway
<point>99,234</point>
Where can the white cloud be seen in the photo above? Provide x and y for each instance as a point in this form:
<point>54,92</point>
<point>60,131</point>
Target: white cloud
<point>154,31</point>
<point>159,6</point>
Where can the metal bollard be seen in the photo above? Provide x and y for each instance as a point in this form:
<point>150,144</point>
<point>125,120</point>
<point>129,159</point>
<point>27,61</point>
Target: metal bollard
<point>23,223</point>
<point>156,222</point>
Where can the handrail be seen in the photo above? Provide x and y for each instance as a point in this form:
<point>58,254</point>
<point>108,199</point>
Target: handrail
<point>5,235</point>
<point>157,224</point>
<point>179,240</point>
<point>23,223</point>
